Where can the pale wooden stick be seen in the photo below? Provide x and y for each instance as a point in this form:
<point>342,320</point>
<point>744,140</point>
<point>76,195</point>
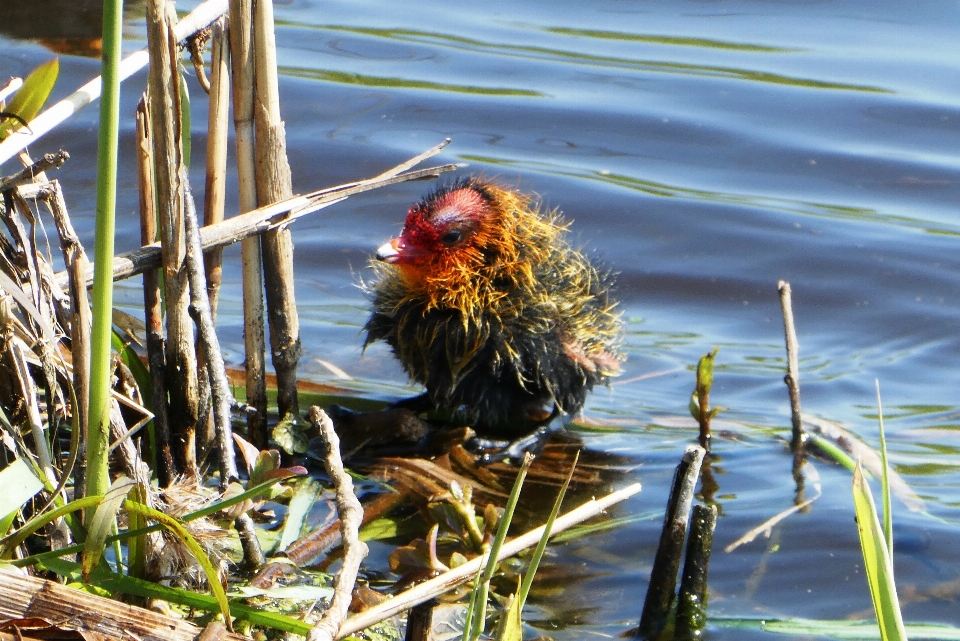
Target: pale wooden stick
<point>461,574</point>
<point>12,85</point>
<point>57,113</point>
<point>351,517</point>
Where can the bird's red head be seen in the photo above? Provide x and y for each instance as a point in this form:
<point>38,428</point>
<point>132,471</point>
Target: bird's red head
<point>444,229</point>
<point>465,243</point>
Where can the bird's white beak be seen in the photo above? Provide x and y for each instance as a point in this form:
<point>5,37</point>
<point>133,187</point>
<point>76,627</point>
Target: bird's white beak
<point>388,252</point>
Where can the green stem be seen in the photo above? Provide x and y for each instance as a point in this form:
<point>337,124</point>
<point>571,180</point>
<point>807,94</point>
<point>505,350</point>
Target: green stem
<point>98,479</point>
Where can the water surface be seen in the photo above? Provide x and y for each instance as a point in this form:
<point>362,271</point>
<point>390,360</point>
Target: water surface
<point>705,150</point>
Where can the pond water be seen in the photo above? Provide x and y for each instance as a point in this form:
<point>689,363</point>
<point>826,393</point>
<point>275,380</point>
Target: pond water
<point>704,150</point>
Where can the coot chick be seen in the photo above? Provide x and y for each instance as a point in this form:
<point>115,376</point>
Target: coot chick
<point>486,304</point>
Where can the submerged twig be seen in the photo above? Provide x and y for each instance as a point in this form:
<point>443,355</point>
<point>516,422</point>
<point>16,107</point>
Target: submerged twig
<point>766,527</point>
<point>692,600</point>
<point>351,515</point>
<point>463,573</point>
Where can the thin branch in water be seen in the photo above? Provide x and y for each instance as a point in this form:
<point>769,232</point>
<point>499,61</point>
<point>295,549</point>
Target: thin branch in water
<point>792,379</point>
<point>766,528</point>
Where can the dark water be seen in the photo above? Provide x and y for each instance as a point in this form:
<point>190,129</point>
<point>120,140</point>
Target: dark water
<point>705,150</point>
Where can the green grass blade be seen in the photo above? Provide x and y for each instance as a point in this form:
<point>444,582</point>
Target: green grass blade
<point>525,586</point>
<point>482,588</point>
<point>37,522</point>
<point>19,485</point>
<point>102,525</point>
<point>178,530</point>
<point>43,557</point>
<point>877,562</point>
<point>885,479</point>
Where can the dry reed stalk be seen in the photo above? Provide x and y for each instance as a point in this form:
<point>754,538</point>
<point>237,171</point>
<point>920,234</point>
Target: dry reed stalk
<point>214,196</point>
<point>75,258</point>
<point>274,185</point>
<point>241,59</point>
<point>165,120</point>
<point>152,304</point>
<point>217,124</point>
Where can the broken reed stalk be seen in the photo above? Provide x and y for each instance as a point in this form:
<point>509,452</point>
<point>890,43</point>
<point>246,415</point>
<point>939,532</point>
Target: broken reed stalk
<point>691,615</point>
<point>152,302</point>
<point>663,576</point>
<point>198,19</point>
<point>351,516</point>
<point>274,185</point>
<point>241,58</point>
<point>214,193</point>
<point>165,130</point>
<point>463,573</point>
<point>420,622</point>
<point>75,258</point>
<point>30,172</point>
<point>222,398</point>
<point>214,196</point>
<point>792,379</point>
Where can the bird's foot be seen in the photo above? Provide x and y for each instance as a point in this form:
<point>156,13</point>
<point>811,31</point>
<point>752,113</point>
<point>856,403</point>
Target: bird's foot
<point>495,451</point>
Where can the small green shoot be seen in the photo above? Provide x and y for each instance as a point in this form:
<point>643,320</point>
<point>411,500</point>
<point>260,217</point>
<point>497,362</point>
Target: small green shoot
<point>473,626</point>
<point>700,399</point>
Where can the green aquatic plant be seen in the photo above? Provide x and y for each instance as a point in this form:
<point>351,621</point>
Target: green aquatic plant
<point>31,96</point>
<point>877,545</point>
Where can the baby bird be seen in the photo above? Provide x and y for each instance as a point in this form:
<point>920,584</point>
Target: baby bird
<point>487,305</point>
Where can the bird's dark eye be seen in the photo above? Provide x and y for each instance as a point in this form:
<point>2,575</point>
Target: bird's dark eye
<point>452,237</point>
